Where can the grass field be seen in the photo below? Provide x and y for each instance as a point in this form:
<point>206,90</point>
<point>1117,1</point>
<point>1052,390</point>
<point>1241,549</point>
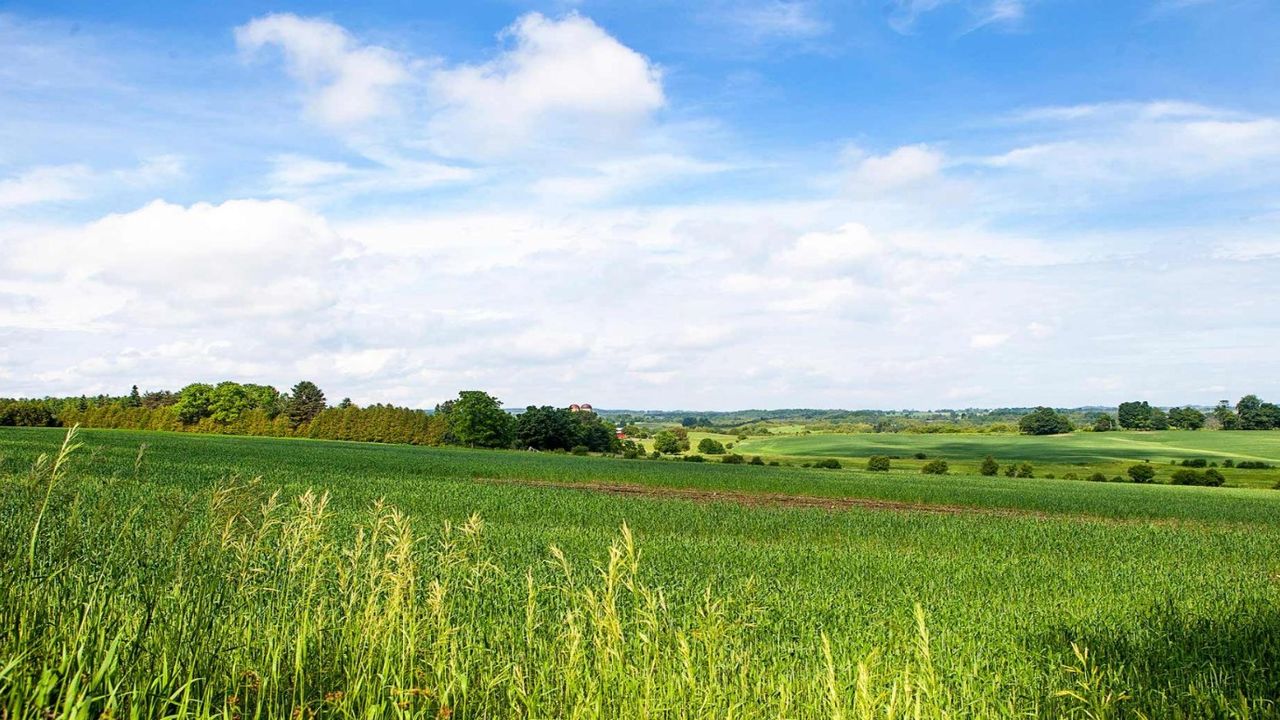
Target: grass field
<point>155,584</point>
<point>1081,453</point>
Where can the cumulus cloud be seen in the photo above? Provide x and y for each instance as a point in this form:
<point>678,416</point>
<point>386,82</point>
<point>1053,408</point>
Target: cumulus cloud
<point>903,166</point>
<point>346,82</point>
<point>566,77</point>
<point>166,264</point>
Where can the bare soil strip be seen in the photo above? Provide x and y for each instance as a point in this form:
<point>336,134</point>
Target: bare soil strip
<point>761,499</point>
<point>784,500</point>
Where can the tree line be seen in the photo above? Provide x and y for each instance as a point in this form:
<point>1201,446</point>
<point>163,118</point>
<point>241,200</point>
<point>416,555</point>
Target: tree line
<point>1250,413</point>
<point>473,419</point>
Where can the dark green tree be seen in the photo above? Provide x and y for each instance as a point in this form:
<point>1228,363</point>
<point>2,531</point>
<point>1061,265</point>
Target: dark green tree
<point>709,446</point>
<point>1187,418</point>
<point>878,463</point>
<point>194,403</point>
<point>1104,423</point>
<point>989,466</point>
<point>306,401</point>
<point>1134,415</point>
<point>477,419</point>
<point>667,443</point>
<point>135,398</point>
<point>1044,421</point>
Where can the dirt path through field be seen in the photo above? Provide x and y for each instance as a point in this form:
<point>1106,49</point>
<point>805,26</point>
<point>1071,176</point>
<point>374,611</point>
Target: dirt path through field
<point>761,499</point>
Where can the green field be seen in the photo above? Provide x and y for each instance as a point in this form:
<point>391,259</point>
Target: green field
<point>154,583</point>
<point>1080,452</point>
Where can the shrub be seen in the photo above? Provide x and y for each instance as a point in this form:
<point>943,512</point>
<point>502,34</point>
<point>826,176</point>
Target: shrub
<point>1050,476</point>
<point>655,455</point>
<point>756,460</point>
<point>1252,465</point>
<point>579,450</point>
<point>1068,476</point>
<point>1025,471</point>
<point>1010,470</point>
<point>935,467</point>
<point>710,446</point>
<point>920,456</point>
<point>774,463</point>
<point>1228,463</point>
<point>1097,477</point>
<point>1142,473</point>
<point>989,466</point>
<point>1209,478</point>
<point>1195,463</point>
<point>828,464</point>
<point>878,463</point>
<point>1117,479</point>
<point>693,458</point>
<point>733,459</point>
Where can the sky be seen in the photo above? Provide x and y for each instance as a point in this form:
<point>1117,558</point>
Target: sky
<point>702,204</point>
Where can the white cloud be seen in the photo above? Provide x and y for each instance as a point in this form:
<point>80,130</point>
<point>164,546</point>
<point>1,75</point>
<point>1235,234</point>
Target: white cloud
<point>44,184</point>
<point>988,340</point>
<point>903,166</point>
<point>320,180</point>
<point>168,265</point>
<point>75,182</point>
<point>568,78</point>
<point>905,13</point>
<point>783,19</point>
<point>347,82</point>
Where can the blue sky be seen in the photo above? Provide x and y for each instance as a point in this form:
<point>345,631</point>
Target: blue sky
<point>911,203</point>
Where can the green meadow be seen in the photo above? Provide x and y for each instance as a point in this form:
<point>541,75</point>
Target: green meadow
<point>149,574</point>
<point>1079,452</point>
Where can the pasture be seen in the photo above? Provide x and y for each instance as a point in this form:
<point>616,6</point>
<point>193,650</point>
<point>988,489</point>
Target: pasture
<point>167,581</point>
<point>1080,452</point>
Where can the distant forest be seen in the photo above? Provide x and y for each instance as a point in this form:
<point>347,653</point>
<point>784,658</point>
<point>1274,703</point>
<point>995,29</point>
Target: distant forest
<point>477,419</point>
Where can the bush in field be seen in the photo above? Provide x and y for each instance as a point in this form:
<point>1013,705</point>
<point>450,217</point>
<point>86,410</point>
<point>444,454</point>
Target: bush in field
<point>1104,423</point>
<point>693,458</point>
<point>1097,477</point>
<point>1069,476</point>
<point>580,450</point>
<point>935,467</point>
<point>710,446</point>
<point>878,463</point>
<point>1195,463</point>
<point>733,459</point>
<point>920,456</point>
<point>1025,471</point>
<point>1142,473</point>
<point>756,460</point>
<point>1187,476</point>
<point>1228,463</point>
<point>1251,465</point>
<point>828,464</point>
<point>989,466</point>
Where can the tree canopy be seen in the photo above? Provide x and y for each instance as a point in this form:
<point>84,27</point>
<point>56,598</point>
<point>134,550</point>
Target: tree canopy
<point>1044,421</point>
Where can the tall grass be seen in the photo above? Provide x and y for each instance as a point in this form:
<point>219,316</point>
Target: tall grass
<point>122,597</point>
<point>239,604</point>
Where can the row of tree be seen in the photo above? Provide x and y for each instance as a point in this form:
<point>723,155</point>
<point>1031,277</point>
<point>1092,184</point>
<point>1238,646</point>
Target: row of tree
<point>473,419</point>
<point>1250,413</point>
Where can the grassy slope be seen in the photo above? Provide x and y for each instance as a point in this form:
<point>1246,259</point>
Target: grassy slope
<point>1005,595</point>
<point>202,460</point>
<point>1079,452</point>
